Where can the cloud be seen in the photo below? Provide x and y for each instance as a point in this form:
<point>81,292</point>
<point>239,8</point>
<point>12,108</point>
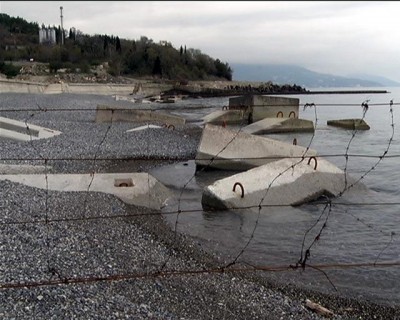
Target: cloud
<point>335,37</point>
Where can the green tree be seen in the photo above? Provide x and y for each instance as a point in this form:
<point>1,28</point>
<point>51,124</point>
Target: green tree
<point>72,34</point>
<point>118,45</point>
<point>157,67</point>
<point>105,45</point>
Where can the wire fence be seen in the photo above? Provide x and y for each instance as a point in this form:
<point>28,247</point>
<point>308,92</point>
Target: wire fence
<point>311,236</point>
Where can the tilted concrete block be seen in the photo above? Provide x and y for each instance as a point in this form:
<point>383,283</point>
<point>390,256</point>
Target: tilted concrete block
<point>283,182</point>
<point>229,149</point>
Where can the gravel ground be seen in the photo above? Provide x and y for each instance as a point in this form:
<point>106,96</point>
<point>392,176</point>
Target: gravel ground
<point>51,239</point>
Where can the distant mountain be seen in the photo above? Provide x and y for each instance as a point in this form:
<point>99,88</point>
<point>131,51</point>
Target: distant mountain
<point>291,74</point>
<point>384,81</point>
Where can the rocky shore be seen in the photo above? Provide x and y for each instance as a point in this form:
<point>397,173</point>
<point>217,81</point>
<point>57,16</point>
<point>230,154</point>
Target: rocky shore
<point>81,255</point>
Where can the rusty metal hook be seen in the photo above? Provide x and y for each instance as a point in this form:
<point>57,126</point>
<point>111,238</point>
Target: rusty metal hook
<point>294,114</point>
<point>241,187</point>
<point>171,126</point>
<point>315,161</point>
<point>279,113</point>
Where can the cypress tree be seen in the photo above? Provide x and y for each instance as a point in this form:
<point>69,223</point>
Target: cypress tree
<point>157,67</point>
<point>118,45</point>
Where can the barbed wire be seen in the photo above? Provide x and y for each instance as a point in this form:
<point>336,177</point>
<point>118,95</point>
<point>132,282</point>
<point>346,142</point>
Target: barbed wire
<point>189,211</point>
<point>171,273</point>
<point>242,124</point>
<point>50,268</point>
<point>305,253</point>
<point>205,158</point>
<point>173,108</point>
<point>95,159</point>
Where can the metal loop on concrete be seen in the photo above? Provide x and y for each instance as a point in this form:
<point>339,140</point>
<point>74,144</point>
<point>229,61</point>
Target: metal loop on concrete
<point>295,141</point>
<point>315,162</point>
<point>294,114</point>
<point>241,187</point>
<point>279,113</point>
<point>224,108</point>
<point>171,126</point>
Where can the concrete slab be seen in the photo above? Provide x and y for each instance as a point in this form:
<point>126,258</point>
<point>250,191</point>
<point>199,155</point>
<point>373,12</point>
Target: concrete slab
<point>54,88</point>
<point>7,85</point>
<point>225,117</point>
<point>21,131</point>
<point>133,98</point>
<point>279,125</point>
<point>233,150</point>
<point>116,114</point>
<point>148,88</point>
<point>351,124</point>
<point>125,98</point>
<point>139,189</point>
<point>259,107</point>
<point>299,184</point>
<point>147,126</point>
<point>23,169</point>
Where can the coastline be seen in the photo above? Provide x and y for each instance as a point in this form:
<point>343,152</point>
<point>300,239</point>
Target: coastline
<point>140,244</point>
<point>193,89</point>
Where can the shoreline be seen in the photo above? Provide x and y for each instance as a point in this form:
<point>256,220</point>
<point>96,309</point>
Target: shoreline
<point>343,307</point>
<point>196,89</point>
<point>348,92</point>
<point>131,244</point>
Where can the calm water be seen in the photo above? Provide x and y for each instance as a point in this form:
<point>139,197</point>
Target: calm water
<point>367,232</point>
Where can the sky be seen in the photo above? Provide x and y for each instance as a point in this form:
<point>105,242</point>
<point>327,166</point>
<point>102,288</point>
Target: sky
<point>335,37</point>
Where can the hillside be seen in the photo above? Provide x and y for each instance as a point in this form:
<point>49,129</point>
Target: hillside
<point>384,81</point>
<point>19,41</point>
<point>291,74</point>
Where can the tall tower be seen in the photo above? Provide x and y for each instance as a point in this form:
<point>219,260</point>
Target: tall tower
<point>62,28</point>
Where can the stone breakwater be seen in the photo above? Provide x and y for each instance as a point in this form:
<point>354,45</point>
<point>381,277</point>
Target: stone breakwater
<point>96,235</point>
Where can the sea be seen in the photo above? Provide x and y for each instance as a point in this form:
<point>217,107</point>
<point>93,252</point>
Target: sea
<point>352,241</point>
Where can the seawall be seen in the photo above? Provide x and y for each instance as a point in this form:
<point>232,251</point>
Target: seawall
<point>147,89</point>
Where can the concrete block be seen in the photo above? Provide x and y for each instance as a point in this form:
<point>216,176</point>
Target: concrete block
<point>23,169</point>
<point>21,131</point>
<point>148,88</point>
<point>279,125</point>
<point>7,85</point>
<point>233,150</point>
<point>139,189</point>
<point>116,114</point>
<point>147,126</point>
<point>351,124</point>
<point>259,107</point>
<point>226,117</point>
<point>54,88</point>
<point>283,182</point>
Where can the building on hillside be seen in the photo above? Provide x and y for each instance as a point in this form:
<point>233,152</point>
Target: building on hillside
<point>165,43</point>
<point>47,36</point>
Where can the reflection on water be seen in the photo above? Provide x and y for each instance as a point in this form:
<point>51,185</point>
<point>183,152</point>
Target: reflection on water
<point>361,226</point>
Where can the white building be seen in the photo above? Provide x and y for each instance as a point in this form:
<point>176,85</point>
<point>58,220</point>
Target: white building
<point>47,36</point>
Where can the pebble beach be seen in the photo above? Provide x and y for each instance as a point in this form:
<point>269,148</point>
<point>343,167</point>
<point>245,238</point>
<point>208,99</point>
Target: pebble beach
<point>127,262</point>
